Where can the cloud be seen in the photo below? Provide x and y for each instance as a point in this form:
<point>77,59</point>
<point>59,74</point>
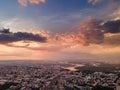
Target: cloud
<point>112,39</point>
<point>94,1</point>
<point>112,26</point>
<point>88,32</point>
<point>92,31</point>
<point>8,37</point>
<point>25,2</point>
<point>116,14</point>
<point>70,39</point>
<point>37,1</point>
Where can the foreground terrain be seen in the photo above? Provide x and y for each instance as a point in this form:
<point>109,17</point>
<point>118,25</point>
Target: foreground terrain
<point>22,75</point>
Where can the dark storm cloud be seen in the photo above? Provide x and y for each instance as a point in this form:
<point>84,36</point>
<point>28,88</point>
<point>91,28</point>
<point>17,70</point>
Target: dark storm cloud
<point>112,26</point>
<point>4,31</point>
<point>8,37</point>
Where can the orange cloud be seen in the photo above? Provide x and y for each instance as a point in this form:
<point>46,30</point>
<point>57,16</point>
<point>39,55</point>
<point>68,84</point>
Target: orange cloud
<point>71,38</point>
<point>25,2</point>
<point>37,1</point>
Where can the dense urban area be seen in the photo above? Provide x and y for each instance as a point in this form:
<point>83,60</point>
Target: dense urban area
<point>59,76</point>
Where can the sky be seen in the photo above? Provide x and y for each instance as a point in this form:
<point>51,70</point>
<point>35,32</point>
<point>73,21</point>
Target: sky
<point>60,30</point>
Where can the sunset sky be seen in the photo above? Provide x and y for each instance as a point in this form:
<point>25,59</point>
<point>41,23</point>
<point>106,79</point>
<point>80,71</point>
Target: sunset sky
<point>60,30</point>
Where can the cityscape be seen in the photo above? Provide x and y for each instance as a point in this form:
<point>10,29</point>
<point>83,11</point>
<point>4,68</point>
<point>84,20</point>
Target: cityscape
<point>25,75</point>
